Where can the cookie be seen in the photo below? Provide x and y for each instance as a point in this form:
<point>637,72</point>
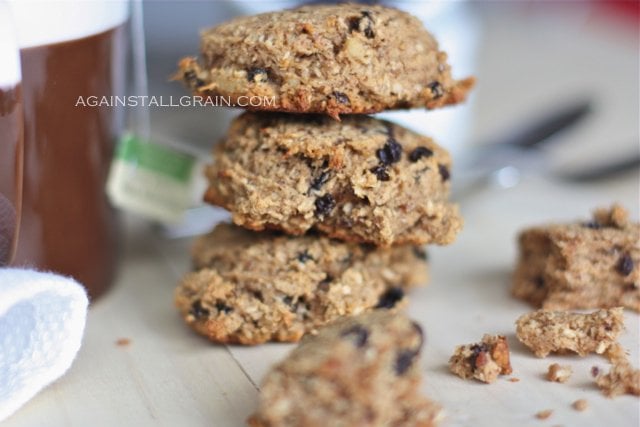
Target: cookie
<point>330,59</point>
<point>483,361</point>
<point>359,371</point>
<point>360,180</point>
<point>621,379</point>
<point>546,331</point>
<point>581,265</point>
<point>254,287</point>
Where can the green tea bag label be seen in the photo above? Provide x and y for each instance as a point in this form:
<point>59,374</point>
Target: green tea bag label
<point>152,180</point>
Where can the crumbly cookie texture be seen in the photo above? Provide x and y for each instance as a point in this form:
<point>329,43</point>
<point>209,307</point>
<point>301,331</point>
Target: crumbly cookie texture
<point>622,378</point>
<point>255,287</point>
<point>361,180</point>
<point>358,371</point>
<point>589,264</point>
<point>483,361</point>
<point>558,373</point>
<point>546,331</point>
<point>331,59</point>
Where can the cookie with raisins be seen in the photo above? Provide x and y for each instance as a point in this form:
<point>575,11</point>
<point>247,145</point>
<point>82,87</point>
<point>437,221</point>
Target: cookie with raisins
<point>360,371</point>
<point>328,59</point>
<point>359,180</point>
<point>251,287</point>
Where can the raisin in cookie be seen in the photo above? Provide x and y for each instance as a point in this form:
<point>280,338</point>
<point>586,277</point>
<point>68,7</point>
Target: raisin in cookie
<point>255,287</point>
<point>483,361</point>
<point>592,264</point>
<point>332,59</point>
<point>546,331</point>
<point>360,371</point>
<point>361,180</point>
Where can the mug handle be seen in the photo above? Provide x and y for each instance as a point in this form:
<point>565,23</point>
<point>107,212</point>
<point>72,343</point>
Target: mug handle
<point>11,137</point>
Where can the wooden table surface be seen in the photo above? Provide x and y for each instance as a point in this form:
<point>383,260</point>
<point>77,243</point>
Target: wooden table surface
<point>168,376</point>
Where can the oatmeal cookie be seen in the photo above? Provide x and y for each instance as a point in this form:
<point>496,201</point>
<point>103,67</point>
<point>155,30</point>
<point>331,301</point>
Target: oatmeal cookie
<point>361,180</point>
<point>589,264</point>
<point>331,59</point>
<point>483,361</point>
<point>254,287</point>
<point>359,371</point>
<point>546,331</point>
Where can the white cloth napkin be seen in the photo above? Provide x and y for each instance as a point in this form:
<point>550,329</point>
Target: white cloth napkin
<point>42,318</point>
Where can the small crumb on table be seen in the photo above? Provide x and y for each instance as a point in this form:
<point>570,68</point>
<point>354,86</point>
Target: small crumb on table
<point>123,342</point>
<point>543,415</point>
<point>514,379</point>
<point>580,405</point>
<point>558,373</point>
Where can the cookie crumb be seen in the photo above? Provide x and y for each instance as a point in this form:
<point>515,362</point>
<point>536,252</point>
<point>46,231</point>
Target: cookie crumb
<point>123,342</point>
<point>543,415</point>
<point>616,216</point>
<point>559,374</point>
<point>580,405</point>
<point>514,380</point>
<point>621,379</point>
<point>483,361</point>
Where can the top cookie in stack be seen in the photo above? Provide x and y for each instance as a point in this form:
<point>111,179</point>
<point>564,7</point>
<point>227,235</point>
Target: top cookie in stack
<point>330,59</point>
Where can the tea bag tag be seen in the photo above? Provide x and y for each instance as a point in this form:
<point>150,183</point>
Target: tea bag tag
<point>152,180</point>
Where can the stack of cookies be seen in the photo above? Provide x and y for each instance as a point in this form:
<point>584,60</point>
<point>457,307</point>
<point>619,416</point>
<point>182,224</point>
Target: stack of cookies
<point>338,204</point>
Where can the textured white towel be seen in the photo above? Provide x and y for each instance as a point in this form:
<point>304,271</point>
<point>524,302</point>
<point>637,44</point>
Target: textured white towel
<point>42,318</point>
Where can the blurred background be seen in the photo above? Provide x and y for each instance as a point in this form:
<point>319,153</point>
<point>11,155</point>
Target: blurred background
<point>531,59</point>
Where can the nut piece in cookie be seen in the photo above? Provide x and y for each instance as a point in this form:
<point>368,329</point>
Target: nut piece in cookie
<point>546,331</point>
<point>581,265</point>
<point>483,361</point>
<point>358,371</point>
<point>254,287</point>
<point>360,180</point>
<point>329,59</point>
<point>622,378</point>
<point>558,373</point>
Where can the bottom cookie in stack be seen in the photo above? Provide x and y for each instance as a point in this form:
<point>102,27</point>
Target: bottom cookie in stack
<point>250,287</point>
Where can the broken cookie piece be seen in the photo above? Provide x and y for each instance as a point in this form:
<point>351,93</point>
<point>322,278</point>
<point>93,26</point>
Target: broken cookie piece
<point>581,265</point>
<point>483,361</point>
<point>546,331</point>
<point>558,373</point>
<point>621,379</point>
<point>358,371</point>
